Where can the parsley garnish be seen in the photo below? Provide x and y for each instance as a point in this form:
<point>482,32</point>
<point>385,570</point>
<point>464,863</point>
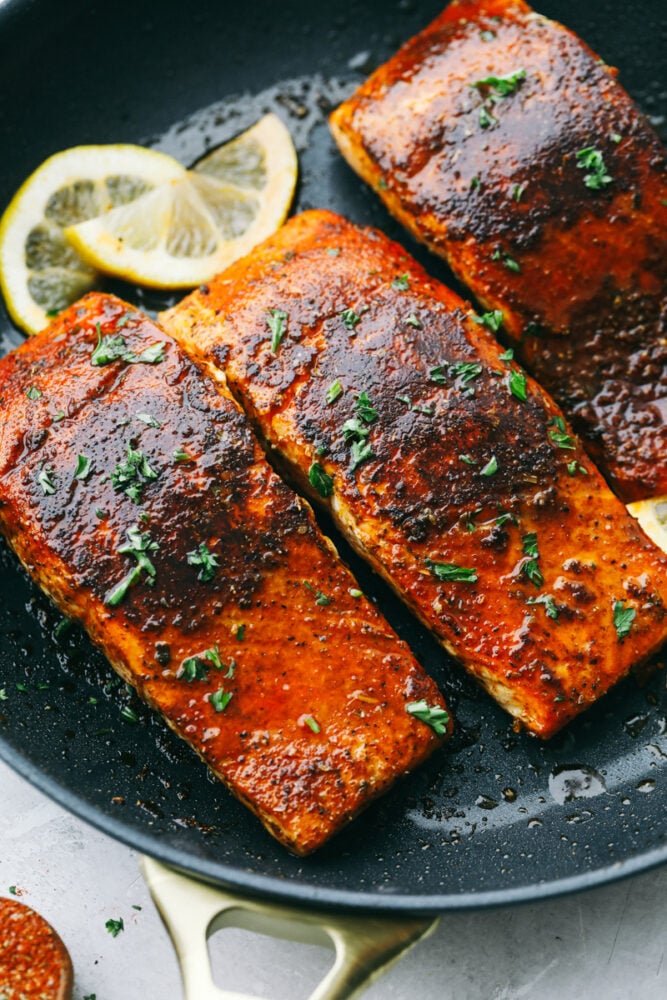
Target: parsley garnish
<point>434,716</point>
<point>196,668</point>
<point>365,408</point>
<point>320,480</point>
<point>277,322</point>
<point>84,467</point>
<point>623,619</point>
<point>322,599</point>
<point>508,261</point>
<point>437,375</point>
<point>114,348</point>
<point>311,723</point>
<point>530,567</point>
<point>334,391</point>
<point>3,693</point>
<point>131,475</point>
<point>361,451</point>
<point>468,459</point>
<point>490,468</point>
<point>180,455</point>
<point>355,592</point>
<point>333,251</point>
<point>591,159</point>
<point>146,418</point>
<point>115,926</point>
<point>485,118</point>
<point>240,632</point>
<point>493,319</point>
<point>574,467</point>
<point>401,284</point>
<point>139,546</point>
<point>475,183</point>
<point>450,572</point>
<point>517,192</point>
<point>413,321</point>
<point>560,436</point>
<point>501,85</point>
<point>12,890</point>
<point>201,556</point>
<point>517,384</point>
<point>507,355</point>
<point>220,699</point>
<point>128,714</point>
<point>32,392</point>
<point>549,605</point>
<point>45,480</point>
<point>416,408</point>
<point>350,318</point>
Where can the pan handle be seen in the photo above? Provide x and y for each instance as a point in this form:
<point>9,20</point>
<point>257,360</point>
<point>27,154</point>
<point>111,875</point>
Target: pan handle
<point>364,946</point>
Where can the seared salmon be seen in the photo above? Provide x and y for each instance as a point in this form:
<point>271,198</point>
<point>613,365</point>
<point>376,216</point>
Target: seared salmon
<point>385,399</point>
<point>136,495</point>
<point>499,139</point>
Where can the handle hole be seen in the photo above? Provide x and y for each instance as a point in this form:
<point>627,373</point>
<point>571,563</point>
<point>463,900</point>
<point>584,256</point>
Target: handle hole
<point>254,961</point>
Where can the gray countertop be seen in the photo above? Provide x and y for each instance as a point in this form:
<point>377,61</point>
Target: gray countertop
<point>607,943</point>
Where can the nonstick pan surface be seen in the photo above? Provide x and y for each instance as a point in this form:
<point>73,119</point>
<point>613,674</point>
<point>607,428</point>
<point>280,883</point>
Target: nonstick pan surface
<point>495,817</point>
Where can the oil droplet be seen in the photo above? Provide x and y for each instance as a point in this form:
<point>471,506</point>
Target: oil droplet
<point>646,786</point>
<point>532,823</point>
<point>575,781</point>
<point>509,794</point>
<point>635,724</point>
<point>486,802</point>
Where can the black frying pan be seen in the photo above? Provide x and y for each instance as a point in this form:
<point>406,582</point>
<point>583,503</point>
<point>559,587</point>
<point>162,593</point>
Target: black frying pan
<point>495,817</point>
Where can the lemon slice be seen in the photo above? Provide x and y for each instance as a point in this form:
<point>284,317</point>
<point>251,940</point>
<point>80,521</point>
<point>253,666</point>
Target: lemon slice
<point>652,516</point>
<point>40,273</point>
<point>182,233</point>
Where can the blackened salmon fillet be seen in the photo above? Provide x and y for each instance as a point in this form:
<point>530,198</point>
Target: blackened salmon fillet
<point>499,139</point>
<point>451,471</point>
<point>136,495</point>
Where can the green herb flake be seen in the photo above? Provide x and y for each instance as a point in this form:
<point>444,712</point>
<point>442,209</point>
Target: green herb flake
<point>437,375</point>
<point>493,319</point>
<point>530,568</point>
<point>365,408</point>
<point>623,619</point>
<point>101,513</point>
<point>146,418</point>
<point>20,686</point>
<point>240,632</point>
<point>468,459</point>
<point>12,890</point>
<point>490,468</point>
<point>451,573</point>
<point>113,347</point>
<point>591,159</point>
<point>574,467</point>
<point>350,318</point>
<point>115,926</point>
<point>3,694</point>
<point>220,699</point>
<point>361,451</point>
<point>475,183</point>
<point>276,320</point>
<point>549,605</point>
<point>322,599</point>
<point>46,481</point>
<point>615,137</point>
<point>487,36</point>
<point>180,456</point>
<point>507,355</point>
<point>320,480</point>
<point>509,262</point>
<point>60,415</point>
<point>84,467</point>
<point>128,714</point>
<point>139,546</point>
<point>32,392</point>
<point>354,592</point>
<point>518,385</point>
<point>486,120</point>
<point>502,86</point>
<point>333,251</point>
<point>209,562</point>
<point>90,996</point>
<point>130,476</point>
<point>433,715</point>
<point>401,284</point>
<point>413,321</point>
<point>312,724</point>
<point>334,391</point>
<point>517,192</point>
<point>560,435</point>
<point>467,371</point>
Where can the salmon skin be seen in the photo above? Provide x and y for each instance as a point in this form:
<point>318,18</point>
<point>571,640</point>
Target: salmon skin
<point>444,465</point>
<point>136,495</point>
<point>499,139</point>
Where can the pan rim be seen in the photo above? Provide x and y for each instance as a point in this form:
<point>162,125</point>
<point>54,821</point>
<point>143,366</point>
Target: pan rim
<point>307,896</point>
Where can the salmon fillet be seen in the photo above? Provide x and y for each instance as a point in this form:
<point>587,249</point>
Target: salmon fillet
<point>499,139</point>
<point>134,492</point>
<point>447,468</point>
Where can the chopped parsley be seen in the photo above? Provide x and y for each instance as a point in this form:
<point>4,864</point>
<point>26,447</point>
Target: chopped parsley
<point>490,468</point>
<point>413,321</point>
<point>437,375</point>
<point>508,261</point>
<point>12,890</point>
<point>401,284</point>
<point>84,467</point>
<point>623,619</point>
<point>560,435</point>
<point>507,355</point>
<point>32,392</point>
<point>333,251</point>
<point>517,384</point>
<point>3,692</point>
<point>209,562</point>
<point>355,592</point>
<point>320,480</point>
<point>311,723</point>
<point>46,481</point>
<point>574,467</point>
<point>468,459</point>
<point>180,455</point>
<point>196,668</point>
<point>433,715</point>
<point>240,632</point>
<point>549,605</point>
<point>334,391</point>
<point>220,699</point>
<point>361,451</point>
<point>502,86</point>
<point>517,192</point>
<point>140,546</point>
<point>365,408</point>
<point>486,119</point>
<point>451,573</point>
<point>276,320</point>
<point>114,348</point>
<point>591,159</point>
<point>115,926</point>
<point>128,714</point>
<point>130,476</point>
<point>530,568</point>
<point>350,318</point>
<point>322,599</point>
<point>415,407</point>
<point>493,319</point>
<point>475,183</point>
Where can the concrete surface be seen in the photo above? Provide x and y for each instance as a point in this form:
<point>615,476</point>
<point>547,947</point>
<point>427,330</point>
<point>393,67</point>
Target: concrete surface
<point>607,944</point>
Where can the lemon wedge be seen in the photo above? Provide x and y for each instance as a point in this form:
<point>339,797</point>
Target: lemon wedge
<point>40,272</point>
<point>652,516</point>
<point>185,231</point>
